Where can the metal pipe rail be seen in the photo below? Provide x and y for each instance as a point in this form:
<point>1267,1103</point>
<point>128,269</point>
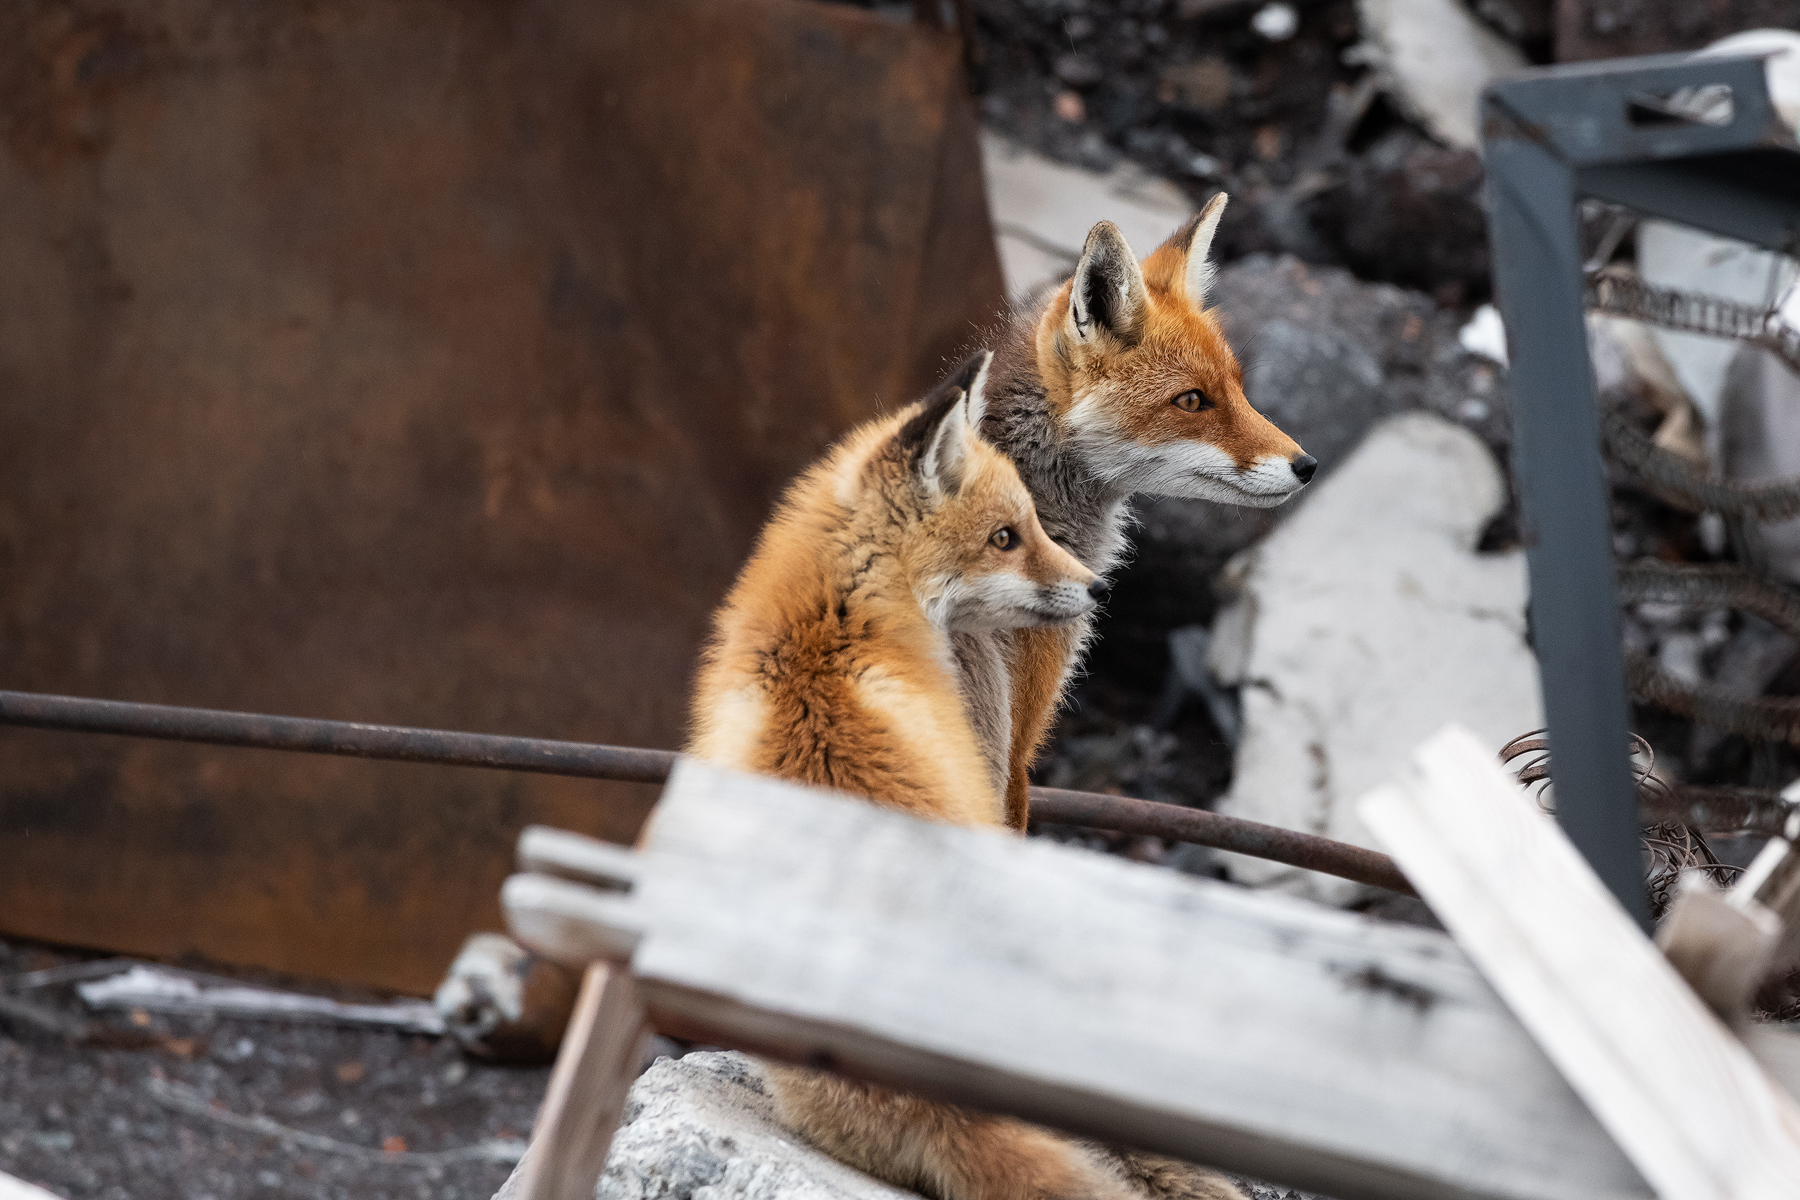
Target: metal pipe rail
<point>628,764</point>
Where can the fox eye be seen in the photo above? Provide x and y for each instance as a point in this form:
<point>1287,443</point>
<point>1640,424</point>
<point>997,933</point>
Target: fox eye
<point>1004,539</point>
<point>1191,401</point>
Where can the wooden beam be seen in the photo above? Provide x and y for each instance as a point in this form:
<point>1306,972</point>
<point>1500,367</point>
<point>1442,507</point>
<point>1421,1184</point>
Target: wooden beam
<point>1254,1032</point>
<point>594,1070</point>
<point>1683,1097</point>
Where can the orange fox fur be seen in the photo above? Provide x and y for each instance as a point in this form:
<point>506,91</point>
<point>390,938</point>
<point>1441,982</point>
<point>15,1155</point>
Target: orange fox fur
<point>831,661</point>
<point>1121,382</point>
<point>832,664</point>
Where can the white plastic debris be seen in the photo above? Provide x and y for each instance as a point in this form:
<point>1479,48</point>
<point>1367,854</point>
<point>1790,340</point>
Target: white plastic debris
<point>1433,57</point>
<point>1485,334</point>
<point>1276,21</point>
<point>1042,211</point>
<point>154,989</point>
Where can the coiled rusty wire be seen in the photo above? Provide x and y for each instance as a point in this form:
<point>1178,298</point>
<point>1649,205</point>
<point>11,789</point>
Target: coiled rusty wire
<point>1621,294</point>
<point>1673,480</point>
<point>1764,718</point>
<point>1671,844</point>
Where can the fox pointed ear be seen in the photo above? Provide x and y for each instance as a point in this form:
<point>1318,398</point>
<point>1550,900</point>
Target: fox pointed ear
<point>970,378</point>
<point>1108,291</point>
<point>947,452</point>
<point>1194,242</point>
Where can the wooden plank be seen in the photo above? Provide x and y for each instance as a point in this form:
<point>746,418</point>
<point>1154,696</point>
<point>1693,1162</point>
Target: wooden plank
<point>1682,1096</point>
<point>566,855</point>
<point>593,1072</point>
<point>1258,1033</point>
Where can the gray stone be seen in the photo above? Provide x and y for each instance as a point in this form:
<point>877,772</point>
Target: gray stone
<point>1319,382</point>
<point>703,1127</point>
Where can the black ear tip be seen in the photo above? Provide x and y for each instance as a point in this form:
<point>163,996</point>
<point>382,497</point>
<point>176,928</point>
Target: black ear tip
<point>971,369</point>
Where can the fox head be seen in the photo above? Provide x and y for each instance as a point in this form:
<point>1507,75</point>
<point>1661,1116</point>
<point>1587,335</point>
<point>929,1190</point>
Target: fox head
<point>977,557</point>
<point>1142,381</point>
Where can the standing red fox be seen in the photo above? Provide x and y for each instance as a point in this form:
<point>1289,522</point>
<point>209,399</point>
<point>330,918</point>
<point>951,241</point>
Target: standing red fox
<point>831,664</point>
<point>1120,383</point>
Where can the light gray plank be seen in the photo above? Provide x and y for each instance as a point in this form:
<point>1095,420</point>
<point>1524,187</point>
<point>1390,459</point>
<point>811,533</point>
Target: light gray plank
<point>1258,1033</point>
<point>1677,1090</point>
<point>1252,1032</point>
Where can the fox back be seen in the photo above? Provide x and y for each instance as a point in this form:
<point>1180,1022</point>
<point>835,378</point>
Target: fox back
<point>831,659</point>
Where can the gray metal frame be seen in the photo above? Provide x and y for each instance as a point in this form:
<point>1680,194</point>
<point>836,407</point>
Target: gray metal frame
<point>1551,137</point>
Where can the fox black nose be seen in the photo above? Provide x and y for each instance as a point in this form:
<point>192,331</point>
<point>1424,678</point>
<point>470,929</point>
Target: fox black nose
<point>1304,466</point>
<point>1099,589</point>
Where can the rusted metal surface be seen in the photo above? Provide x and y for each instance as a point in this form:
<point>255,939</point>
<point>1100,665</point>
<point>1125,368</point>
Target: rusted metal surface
<point>1055,805</point>
<point>425,361</point>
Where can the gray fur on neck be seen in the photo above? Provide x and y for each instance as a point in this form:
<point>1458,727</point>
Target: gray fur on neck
<point>1076,508</point>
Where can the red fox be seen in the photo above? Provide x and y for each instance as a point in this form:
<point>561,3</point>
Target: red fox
<point>1121,382</point>
<point>831,664</point>
<point>831,661</point>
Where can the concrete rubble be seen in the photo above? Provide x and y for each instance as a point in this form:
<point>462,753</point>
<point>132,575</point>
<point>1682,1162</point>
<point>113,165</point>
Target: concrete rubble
<point>1433,57</point>
<point>701,1127</point>
<point>1363,624</point>
<point>1042,211</point>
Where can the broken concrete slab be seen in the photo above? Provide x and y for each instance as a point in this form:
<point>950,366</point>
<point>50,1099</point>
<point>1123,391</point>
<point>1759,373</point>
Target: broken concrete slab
<point>703,1127</point>
<point>1042,211</point>
<point>1361,625</point>
<point>1433,57</point>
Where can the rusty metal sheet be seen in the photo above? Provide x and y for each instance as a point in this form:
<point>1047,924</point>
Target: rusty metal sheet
<point>425,363</point>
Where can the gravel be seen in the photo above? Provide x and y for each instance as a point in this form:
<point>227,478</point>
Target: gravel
<point>88,1120</point>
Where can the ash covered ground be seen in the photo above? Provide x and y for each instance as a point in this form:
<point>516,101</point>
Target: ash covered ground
<point>104,1117</point>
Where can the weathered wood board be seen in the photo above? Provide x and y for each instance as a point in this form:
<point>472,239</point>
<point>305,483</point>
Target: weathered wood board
<point>1258,1033</point>
<point>1684,1098</point>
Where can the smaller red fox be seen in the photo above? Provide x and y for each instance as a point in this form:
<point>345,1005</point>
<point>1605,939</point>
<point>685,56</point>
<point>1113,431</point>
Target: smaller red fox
<point>832,664</point>
<point>831,660</point>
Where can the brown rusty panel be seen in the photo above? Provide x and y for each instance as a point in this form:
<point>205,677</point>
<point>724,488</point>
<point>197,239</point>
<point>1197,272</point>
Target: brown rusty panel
<point>428,363</point>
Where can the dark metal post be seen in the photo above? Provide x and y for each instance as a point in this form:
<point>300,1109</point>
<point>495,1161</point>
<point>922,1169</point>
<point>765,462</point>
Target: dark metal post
<point>1621,131</point>
<point>1563,495</point>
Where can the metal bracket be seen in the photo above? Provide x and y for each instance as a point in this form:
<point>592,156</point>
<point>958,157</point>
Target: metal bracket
<point>1693,140</point>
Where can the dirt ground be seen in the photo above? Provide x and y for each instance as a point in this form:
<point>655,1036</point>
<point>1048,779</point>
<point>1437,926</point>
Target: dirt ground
<point>105,1121</point>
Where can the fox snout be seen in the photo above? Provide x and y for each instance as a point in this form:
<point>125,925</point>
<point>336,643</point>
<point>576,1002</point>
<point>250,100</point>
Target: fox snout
<point>1066,588</point>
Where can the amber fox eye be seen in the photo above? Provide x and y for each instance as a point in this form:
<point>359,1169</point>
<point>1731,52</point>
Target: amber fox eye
<point>1191,402</point>
<point>1004,539</point>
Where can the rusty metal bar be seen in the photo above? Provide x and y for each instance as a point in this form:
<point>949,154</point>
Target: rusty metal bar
<point>395,742</point>
<point>1124,814</point>
<point>632,765</point>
